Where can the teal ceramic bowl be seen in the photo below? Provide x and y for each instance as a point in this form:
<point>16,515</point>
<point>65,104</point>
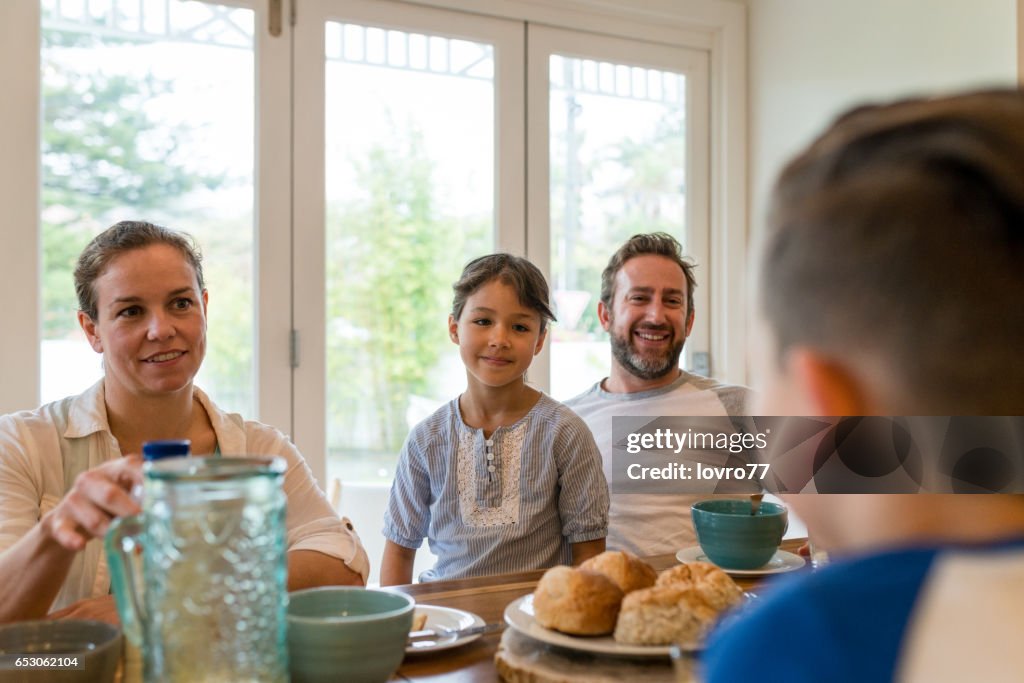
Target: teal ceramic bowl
<point>732,538</point>
<point>337,633</point>
<point>96,647</point>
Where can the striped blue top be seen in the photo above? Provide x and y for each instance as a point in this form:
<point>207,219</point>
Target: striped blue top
<point>514,502</point>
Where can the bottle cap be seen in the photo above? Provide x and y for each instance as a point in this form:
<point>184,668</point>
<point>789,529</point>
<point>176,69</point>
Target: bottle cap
<point>166,448</point>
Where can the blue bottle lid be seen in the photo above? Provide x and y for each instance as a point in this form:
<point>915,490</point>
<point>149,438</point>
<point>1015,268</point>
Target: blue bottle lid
<point>166,448</point>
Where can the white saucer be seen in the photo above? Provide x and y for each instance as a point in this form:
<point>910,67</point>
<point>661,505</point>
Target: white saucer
<point>781,561</point>
<point>520,616</point>
<point>448,618</point>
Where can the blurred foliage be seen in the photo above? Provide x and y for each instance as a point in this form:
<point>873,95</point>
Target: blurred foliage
<point>648,176</point>
<point>105,157</point>
<point>391,255</point>
<point>101,153</point>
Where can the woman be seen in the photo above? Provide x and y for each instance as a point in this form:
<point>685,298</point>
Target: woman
<point>66,469</point>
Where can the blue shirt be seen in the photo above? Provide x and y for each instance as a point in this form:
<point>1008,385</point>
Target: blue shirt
<point>843,623</point>
<point>513,502</point>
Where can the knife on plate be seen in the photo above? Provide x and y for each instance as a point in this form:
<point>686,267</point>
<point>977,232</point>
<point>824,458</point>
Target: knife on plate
<point>440,632</point>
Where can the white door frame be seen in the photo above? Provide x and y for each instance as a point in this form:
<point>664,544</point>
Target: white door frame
<point>19,194</point>
<point>693,63</point>
<point>714,25</point>
<point>310,393</point>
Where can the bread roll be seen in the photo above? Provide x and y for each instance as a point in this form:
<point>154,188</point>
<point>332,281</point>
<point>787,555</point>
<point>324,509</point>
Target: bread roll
<point>703,570</point>
<point>663,615</point>
<point>419,620</point>
<point>628,571</point>
<point>714,585</point>
<point>679,575</point>
<point>576,601</point>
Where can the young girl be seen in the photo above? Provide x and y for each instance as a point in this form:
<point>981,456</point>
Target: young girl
<point>502,478</point>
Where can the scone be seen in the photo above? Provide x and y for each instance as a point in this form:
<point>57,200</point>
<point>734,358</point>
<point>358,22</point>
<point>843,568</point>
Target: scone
<point>714,585</point>
<point>663,615</point>
<point>576,601</point>
<point>419,621</point>
<point>627,570</point>
<point>679,575</point>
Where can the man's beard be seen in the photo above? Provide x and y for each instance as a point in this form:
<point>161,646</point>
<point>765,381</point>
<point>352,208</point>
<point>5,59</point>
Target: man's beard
<point>646,366</point>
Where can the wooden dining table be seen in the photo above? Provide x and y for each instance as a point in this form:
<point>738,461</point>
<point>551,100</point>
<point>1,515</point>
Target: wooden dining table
<point>487,597</point>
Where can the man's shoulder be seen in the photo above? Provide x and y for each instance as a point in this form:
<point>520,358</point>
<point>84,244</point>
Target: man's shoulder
<point>702,383</point>
<point>734,398</point>
<point>688,394</point>
<point>589,397</point>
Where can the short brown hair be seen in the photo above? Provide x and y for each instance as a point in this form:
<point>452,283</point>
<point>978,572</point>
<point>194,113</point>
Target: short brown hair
<point>116,240</point>
<point>516,272</point>
<point>656,244</point>
<point>899,233</point>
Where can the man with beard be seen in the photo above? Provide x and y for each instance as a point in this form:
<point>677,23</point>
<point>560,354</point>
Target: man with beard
<point>647,309</point>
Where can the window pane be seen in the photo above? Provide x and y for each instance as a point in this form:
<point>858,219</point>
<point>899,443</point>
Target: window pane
<point>410,199</point>
<point>608,181</point>
<point>148,115</point>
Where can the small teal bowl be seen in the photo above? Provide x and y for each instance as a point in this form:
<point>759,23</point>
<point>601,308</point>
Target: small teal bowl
<point>94,644</point>
<point>732,538</point>
<point>342,633</point>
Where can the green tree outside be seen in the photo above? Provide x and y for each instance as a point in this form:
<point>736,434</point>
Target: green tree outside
<point>392,257</point>
<point>100,152</point>
<point>649,175</point>
<point>104,158</point>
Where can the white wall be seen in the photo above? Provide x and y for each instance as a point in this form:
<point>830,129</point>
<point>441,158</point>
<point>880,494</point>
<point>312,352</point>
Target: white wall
<point>19,197</point>
<point>811,59</point>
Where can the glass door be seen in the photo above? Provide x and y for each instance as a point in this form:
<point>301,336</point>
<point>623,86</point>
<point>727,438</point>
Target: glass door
<point>408,164</point>
<point>149,112</point>
<point>618,145</point>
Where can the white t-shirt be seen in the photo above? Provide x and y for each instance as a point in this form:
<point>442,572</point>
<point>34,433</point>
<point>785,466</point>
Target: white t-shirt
<point>660,523</point>
<point>42,452</point>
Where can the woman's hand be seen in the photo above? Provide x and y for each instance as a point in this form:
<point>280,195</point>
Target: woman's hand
<point>95,499</point>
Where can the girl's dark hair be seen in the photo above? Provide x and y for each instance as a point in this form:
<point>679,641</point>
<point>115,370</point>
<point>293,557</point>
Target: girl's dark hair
<point>514,271</point>
<point>116,240</point>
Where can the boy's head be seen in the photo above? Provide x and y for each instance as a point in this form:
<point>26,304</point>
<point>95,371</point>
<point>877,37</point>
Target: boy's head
<point>514,271</point>
<point>892,274</point>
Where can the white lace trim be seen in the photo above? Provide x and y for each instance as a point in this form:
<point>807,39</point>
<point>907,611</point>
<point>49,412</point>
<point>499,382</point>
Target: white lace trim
<point>511,447</point>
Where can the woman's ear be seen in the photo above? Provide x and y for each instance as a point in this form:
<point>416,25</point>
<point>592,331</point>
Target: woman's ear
<point>88,326</point>
<point>828,387</point>
<point>453,329</point>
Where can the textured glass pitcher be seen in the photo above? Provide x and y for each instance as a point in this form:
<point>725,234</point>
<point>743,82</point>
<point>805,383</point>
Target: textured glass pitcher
<point>200,574</point>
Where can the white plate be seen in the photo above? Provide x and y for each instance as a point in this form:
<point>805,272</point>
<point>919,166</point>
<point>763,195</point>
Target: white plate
<point>519,615</point>
<point>781,561</point>
<point>448,618</point>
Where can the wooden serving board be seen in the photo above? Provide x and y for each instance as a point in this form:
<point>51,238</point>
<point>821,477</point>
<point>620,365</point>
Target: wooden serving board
<point>521,659</point>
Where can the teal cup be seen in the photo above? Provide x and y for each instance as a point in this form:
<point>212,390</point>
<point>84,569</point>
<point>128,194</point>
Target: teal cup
<point>340,633</point>
<point>733,538</point>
